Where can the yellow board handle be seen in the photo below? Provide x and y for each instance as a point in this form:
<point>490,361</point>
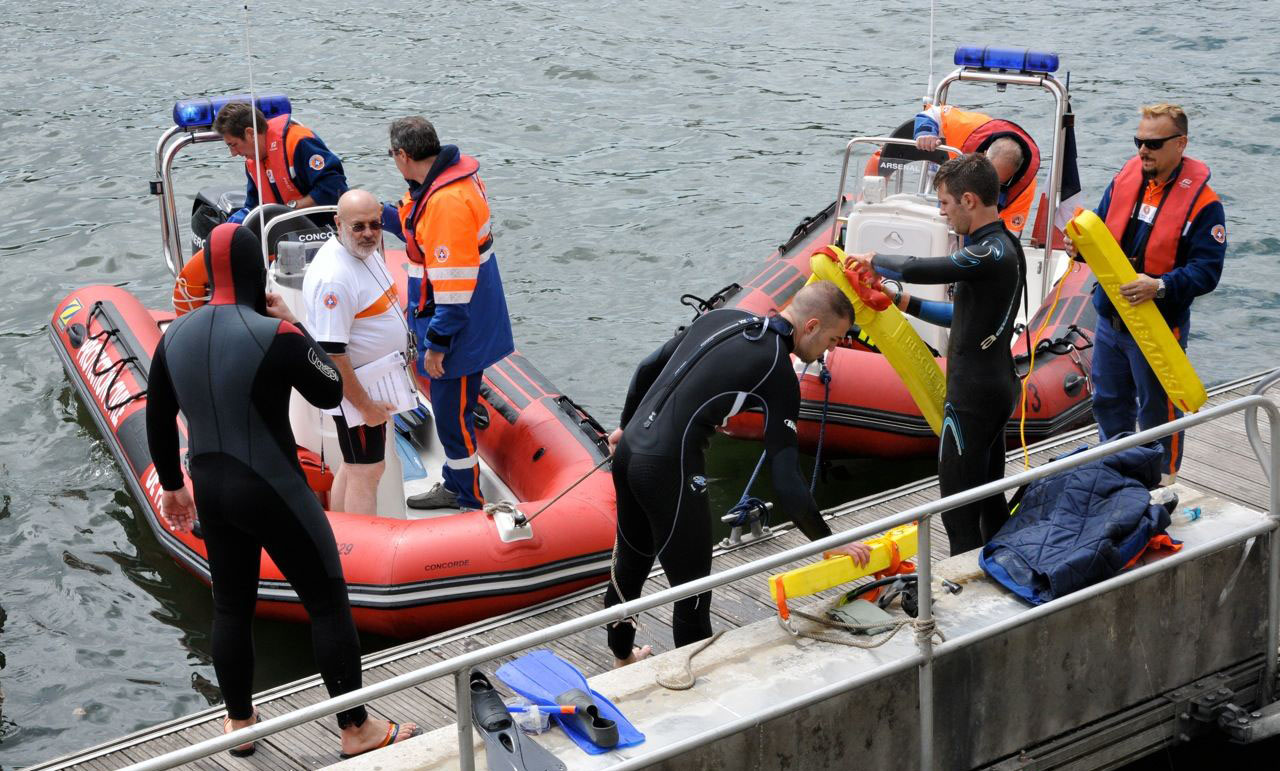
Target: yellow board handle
<point>820,576</point>
<point>896,339</point>
<point>1149,329</point>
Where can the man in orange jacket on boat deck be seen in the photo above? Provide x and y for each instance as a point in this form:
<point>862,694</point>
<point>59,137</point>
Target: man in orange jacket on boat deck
<point>1009,148</point>
<point>298,170</point>
<point>456,306</point>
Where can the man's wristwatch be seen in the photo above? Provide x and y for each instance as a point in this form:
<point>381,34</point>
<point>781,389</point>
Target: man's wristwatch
<point>292,204</point>
<point>1159,289</point>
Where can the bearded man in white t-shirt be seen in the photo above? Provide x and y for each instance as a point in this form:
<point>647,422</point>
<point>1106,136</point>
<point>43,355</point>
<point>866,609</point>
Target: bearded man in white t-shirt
<point>352,312</point>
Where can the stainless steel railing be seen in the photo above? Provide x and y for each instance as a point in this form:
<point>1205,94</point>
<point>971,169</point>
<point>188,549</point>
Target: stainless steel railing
<point>460,666</point>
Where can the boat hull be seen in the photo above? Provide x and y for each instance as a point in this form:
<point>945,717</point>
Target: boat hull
<point>869,412</point>
<point>406,577</point>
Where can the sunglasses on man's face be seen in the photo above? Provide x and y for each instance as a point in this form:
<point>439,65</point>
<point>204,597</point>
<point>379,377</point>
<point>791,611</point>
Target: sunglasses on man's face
<point>1154,144</point>
<point>372,226</point>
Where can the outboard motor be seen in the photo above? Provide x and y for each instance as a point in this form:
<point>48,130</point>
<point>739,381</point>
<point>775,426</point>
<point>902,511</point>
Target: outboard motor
<point>210,209</point>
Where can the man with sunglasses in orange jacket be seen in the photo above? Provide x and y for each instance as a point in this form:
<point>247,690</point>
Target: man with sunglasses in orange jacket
<point>1171,225</point>
<point>456,306</point>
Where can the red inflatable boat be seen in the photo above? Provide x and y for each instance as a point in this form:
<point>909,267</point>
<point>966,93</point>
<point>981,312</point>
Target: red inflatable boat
<point>407,577</point>
<point>869,412</point>
<point>409,573</point>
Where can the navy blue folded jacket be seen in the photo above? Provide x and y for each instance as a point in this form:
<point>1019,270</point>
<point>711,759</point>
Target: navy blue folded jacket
<point>1079,527</point>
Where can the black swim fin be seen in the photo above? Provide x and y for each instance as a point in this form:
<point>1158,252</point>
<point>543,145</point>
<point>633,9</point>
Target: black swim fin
<point>505,746</point>
<point>602,731</point>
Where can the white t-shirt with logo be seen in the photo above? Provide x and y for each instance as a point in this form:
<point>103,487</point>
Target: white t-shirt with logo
<point>337,287</point>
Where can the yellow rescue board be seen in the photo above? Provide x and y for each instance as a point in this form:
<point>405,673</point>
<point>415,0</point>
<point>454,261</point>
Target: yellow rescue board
<point>840,569</point>
<point>1149,330</point>
<point>896,339</point>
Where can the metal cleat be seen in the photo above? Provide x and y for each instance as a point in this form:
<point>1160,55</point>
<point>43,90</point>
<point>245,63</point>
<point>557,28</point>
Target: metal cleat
<point>748,525</point>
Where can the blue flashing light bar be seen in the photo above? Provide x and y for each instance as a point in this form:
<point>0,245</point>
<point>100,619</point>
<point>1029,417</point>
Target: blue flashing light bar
<point>199,112</point>
<point>1016,59</point>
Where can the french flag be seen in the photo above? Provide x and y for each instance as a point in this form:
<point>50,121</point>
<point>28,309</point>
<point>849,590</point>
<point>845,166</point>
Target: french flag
<point>1072,198</point>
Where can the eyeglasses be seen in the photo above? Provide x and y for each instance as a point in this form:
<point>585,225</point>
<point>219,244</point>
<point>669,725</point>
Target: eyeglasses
<point>1154,144</point>
<point>372,225</point>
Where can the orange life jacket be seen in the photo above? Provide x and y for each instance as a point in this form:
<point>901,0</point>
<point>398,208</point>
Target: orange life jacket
<point>451,276</point>
<point>283,136</point>
<point>1159,253</point>
<point>970,132</point>
<point>191,290</point>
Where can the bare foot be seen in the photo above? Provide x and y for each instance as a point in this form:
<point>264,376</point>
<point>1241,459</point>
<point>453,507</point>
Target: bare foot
<point>375,734</point>
<point>229,724</point>
<point>637,653</point>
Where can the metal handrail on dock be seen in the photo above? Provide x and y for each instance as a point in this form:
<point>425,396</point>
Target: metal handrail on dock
<point>461,666</point>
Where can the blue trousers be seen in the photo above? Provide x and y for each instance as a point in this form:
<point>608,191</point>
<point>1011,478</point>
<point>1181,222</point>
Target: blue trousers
<point>1125,390</point>
<point>453,401</point>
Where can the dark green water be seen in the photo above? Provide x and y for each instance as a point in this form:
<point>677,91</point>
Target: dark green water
<point>632,152</point>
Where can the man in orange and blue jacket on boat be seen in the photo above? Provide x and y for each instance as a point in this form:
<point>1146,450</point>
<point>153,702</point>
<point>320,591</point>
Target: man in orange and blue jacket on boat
<point>456,307</point>
<point>1007,145</point>
<point>298,170</point>
<point>1172,226</point>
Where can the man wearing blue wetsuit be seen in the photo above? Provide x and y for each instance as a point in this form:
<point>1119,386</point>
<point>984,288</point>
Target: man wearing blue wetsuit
<point>726,361</point>
<point>989,274</point>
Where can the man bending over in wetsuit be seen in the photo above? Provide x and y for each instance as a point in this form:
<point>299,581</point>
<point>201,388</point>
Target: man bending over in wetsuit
<point>230,366</point>
<point>727,360</point>
<point>982,387</point>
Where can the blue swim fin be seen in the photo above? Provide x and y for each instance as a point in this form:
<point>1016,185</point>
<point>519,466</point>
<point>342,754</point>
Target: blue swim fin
<point>410,461</point>
<point>544,678</point>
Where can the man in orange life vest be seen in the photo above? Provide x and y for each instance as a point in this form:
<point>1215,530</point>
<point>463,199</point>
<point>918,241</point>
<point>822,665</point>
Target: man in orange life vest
<point>1009,148</point>
<point>455,307</point>
<point>1172,226</point>
<point>297,169</point>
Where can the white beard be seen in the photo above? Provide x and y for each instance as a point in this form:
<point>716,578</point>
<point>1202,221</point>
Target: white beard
<point>356,250</point>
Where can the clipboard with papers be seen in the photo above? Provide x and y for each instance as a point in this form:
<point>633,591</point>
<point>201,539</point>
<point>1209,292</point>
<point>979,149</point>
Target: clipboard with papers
<point>386,380</point>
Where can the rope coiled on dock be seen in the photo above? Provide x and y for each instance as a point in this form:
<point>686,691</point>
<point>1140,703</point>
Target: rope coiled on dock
<point>924,630</point>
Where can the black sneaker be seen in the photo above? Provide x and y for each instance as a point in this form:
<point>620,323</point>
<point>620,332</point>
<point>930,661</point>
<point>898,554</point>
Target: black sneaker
<point>438,497</point>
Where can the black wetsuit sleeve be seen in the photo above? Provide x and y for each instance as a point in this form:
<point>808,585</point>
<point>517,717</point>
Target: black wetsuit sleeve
<point>965,264</point>
<point>782,395</point>
<point>646,373</point>
<point>310,369</point>
<point>162,426</point>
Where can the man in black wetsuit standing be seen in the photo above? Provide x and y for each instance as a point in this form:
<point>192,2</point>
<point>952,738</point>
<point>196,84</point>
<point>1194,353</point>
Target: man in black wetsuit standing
<point>230,366</point>
<point>982,387</point>
<point>726,361</point>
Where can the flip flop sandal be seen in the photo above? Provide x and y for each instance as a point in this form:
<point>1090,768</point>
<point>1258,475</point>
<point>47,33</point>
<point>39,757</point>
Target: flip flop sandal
<point>243,750</point>
<point>393,735</point>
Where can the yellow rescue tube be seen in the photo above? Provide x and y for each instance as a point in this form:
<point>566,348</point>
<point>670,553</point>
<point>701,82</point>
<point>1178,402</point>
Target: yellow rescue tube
<point>896,339</point>
<point>887,552</point>
<point>1149,330</point>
